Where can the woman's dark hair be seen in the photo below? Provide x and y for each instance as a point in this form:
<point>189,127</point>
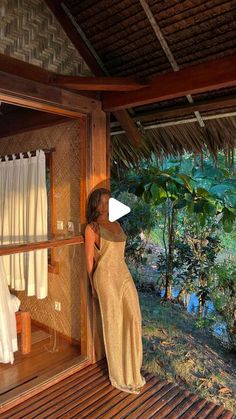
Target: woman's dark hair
<point>94,199</point>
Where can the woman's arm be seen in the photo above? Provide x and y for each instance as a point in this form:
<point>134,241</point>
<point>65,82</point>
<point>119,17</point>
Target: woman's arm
<point>89,251</point>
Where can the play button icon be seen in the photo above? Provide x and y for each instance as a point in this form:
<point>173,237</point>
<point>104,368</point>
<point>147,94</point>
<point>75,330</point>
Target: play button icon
<point>117,209</point>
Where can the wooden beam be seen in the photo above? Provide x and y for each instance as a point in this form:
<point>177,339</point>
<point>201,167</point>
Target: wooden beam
<point>199,78</point>
<point>127,124</point>
<point>27,71</point>
<point>39,96</point>
<point>31,72</point>
<point>177,111</point>
<point>79,43</point>
<point>24,120</point>
<point>97,83</point>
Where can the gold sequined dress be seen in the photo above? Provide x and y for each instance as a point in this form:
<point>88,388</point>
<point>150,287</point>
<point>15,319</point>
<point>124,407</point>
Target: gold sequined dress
<point>120,312</point>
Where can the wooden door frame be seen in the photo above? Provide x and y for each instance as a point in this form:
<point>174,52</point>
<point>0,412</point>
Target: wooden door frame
<point>94,172</point>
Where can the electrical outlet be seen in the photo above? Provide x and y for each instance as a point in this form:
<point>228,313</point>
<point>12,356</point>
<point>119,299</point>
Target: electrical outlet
<point>59,225</point>
<point>57,306</point>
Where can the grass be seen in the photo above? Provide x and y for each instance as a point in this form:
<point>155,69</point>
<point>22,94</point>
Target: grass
<point>176,350</point>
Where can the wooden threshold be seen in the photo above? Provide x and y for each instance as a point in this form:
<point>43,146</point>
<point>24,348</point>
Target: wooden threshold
<point>34,386</point>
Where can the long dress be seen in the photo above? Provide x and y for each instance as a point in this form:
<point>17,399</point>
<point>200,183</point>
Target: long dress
<point>120,313</point>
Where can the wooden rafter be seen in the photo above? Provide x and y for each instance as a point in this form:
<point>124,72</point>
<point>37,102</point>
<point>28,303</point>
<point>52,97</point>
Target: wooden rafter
<point>127,124</point>
<point>177,111</point>
<point>97,83</point>
<point>159,34</point>
<point>204,77</point>
<point>77,40</point>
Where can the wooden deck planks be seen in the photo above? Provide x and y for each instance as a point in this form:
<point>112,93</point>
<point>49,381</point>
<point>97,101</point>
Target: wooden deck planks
<point>124,402</point>
<point>182,407</point>
<point>88,393</point>
<point>124,408</point>
<point>58,389</point>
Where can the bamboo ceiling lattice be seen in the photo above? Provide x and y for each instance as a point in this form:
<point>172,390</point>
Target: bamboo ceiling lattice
<point>31,33</point>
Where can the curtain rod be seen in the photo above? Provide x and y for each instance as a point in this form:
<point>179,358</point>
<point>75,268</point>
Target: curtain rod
<point>33,153</point>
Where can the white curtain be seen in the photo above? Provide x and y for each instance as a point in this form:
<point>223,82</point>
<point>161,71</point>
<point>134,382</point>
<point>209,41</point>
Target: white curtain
<point>23,218</point>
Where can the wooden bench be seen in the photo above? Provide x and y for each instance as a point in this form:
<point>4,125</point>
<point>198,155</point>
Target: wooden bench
<point>23,326</point>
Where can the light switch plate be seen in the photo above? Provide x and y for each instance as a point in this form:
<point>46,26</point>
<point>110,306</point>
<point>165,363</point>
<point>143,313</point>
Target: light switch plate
<point>57,306</point>
<point>59,225</point>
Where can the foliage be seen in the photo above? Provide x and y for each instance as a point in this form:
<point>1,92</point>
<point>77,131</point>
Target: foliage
<point>142,217</point>
<point>195,254</point>
<point>193,200</point>
<point>223,294</point>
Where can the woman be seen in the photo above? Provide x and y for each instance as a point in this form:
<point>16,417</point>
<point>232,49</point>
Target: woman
<point>113,285</point>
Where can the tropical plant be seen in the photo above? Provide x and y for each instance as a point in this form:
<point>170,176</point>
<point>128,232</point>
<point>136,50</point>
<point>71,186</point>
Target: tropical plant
<point>174,192</point>
<point>223,294</point>
<point>196,251</point>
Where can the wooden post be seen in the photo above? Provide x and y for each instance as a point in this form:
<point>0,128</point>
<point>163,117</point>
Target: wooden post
<point>95,173</point>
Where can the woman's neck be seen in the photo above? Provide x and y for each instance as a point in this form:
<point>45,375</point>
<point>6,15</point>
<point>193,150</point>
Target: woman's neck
<point>103,219</point>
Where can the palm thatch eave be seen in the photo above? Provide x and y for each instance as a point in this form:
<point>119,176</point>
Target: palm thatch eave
<point>217,135</point>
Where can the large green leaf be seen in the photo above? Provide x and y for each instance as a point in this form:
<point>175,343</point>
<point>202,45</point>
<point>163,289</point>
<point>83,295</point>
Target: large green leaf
<point>199,206</point>
<point>180,203</point>
<point>187,181</point>
<point>220,189</point>
<point>155,191</point>
<point>209,208</point>
<point>228,219</point>
<point>230,199</point>
<point>203,192</point>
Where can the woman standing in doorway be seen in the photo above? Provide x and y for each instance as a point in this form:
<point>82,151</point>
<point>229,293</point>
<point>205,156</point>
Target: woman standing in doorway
<point>113,285</point>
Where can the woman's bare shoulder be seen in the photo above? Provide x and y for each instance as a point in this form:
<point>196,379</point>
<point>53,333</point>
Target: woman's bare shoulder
<point>93,225</point>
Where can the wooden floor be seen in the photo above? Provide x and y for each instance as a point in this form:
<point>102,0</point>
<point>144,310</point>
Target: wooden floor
<point>47,352</point>
<point>89,394</point>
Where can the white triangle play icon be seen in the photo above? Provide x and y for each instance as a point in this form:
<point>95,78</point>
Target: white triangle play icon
<point>117,209</point>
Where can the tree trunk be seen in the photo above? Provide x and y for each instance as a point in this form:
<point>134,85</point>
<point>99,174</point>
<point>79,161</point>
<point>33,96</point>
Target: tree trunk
<point>171,245</point>
<point>167,295</point>
<point>200,308</point>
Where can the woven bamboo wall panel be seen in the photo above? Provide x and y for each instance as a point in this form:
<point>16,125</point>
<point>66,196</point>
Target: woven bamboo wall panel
<point>30,32</point>
<point>65,286</point>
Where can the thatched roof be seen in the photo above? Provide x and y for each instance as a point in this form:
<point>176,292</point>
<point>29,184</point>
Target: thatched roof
<point>124,40</point>
<point>218,134</point>
<point>146,38</point>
